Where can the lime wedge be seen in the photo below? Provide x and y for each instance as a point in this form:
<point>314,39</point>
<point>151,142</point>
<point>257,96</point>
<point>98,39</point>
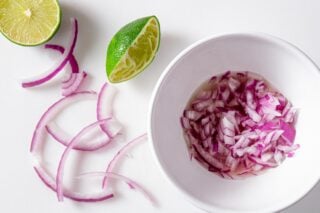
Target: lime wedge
<point>29,22</point>
<point>132,49</point>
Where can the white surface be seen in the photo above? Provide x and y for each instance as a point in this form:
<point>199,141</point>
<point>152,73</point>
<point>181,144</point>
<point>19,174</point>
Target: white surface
<point>283,65</point>
<point>183,22</point>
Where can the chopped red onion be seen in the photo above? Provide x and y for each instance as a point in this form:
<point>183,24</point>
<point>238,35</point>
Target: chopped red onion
<point>237,125</point>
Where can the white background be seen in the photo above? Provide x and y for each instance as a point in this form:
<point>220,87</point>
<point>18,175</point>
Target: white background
<point>182,23</point>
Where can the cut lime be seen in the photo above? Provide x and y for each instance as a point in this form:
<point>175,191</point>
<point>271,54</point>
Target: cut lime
<point>132,49</point>
<point>29,22</point>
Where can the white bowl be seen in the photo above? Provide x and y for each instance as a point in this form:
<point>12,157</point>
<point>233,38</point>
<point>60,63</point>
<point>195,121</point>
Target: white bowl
<point>287,68</point>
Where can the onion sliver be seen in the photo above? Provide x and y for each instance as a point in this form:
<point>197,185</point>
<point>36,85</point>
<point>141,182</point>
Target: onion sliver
<point>132,184</point>
<point>72,60</point>
<point>51,113</point>
<point>74,141</point>
<point>38,80</point>
<point>120,154</point>
<point>237,124</point>
<point>74,79</point>
<point>76,196</point>
<point>78,79</point>
<point>98,142</point>
<point>104,105</point>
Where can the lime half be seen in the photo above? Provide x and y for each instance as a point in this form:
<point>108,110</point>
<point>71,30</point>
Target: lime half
<point>29,22</point>
<point>132,49</point>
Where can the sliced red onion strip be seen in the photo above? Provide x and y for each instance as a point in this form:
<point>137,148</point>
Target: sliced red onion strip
<point>70,81</point>
<point>76,196</point>
<point>51,113</point>
<point>73,142</point>
<point>72,60</point>
<point>38,80</point>
<point>74,79</point>
<point>132,184</point>
<point>99,142</point>
<point>104,105</point>
<point>67,77</point>
<point>79,77</point>
<point>120,154</point>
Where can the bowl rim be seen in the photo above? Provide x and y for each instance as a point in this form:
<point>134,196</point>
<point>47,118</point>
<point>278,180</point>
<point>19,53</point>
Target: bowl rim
<point>261,35</point>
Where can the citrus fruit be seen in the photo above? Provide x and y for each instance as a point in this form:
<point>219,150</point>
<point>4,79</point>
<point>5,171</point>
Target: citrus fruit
<point>29,22</point>
<point>132,49</point>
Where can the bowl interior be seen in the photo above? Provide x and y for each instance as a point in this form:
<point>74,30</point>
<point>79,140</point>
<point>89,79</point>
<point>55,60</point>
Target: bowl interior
<point>289,70</point>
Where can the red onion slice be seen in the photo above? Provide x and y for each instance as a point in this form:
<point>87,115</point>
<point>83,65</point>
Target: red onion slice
<point>133,184</point>
<point>94,144</point>
<point>104,106</point>
<point>72,60</point>
<point>120,154</point>
<point>51,113</point>
<point>73,142</point>
<point>76,196</point>
<point>68,80</point>
<point>38,80</point>
<point>75,83</point>
<point>74,79</point>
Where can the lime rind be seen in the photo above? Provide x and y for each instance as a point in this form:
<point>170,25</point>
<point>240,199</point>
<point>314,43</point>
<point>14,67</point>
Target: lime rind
<point>136,57</point>
<point>122,40</point>
<point>54,28</point>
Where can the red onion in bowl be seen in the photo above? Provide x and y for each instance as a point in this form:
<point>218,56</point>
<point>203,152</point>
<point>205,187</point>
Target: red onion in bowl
<point>237,124</point>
